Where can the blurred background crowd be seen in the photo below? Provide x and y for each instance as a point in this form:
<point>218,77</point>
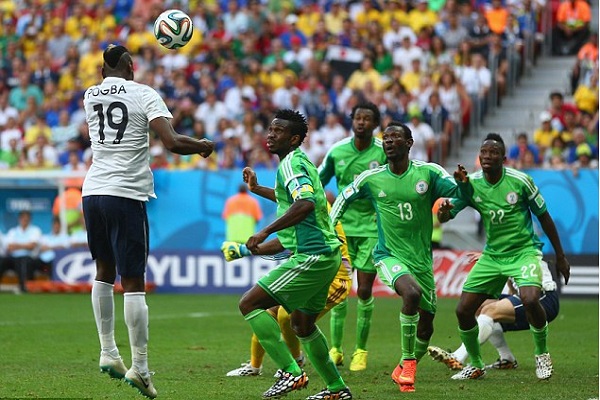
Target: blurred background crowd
<point>438,65</point>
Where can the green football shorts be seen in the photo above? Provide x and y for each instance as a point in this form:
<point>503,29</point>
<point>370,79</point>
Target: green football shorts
<point>390,269</point>
<point>302,282</point>
<point>360,250</point>
<point>490,273</point>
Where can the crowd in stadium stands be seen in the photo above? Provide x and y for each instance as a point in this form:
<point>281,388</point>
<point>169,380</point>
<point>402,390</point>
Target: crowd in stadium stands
<point>422,62</point>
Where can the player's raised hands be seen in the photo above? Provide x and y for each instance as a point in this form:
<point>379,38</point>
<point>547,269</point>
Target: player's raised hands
<point>443,212</point>
<point>250,179</point>
<point>461,174</point>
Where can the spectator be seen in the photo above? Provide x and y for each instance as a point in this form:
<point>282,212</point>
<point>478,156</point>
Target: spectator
<point>359,78</point>
<point>579,146</point>
<point>544,136</point>
<point>454,33</point>
<point>210,112</point>
<point>424,138</point>
<point>63,132</point>
<point>19,95</point>
<point>479,34</point>
<point>558,108</point>
<point>587,62</point>
<point>6,111</point>
<point>436,116</point>
<point>497,17</point>
<point>403,55</point>
<point>572,27</point>
<point>520,153</point>
<point>422,17</point>
<point>42,154</point>
<point>54,240</point>
<point>11,132</point>
<point>584,158</point>
<point>10,156</point>
<point>586,95</point>
<point>22,244</point>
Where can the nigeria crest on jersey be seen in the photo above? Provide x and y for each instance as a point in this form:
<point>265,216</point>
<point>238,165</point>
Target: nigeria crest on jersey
<point>421,187</point>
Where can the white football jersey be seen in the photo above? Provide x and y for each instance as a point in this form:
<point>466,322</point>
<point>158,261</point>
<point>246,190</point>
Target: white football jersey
<point>118,113</point>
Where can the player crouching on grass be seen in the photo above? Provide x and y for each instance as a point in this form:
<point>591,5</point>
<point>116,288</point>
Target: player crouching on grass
<point>301,283</point>
<point>338,292</point>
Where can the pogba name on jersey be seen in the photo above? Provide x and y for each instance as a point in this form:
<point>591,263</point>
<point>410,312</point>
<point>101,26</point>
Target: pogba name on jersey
<point>113,89</point>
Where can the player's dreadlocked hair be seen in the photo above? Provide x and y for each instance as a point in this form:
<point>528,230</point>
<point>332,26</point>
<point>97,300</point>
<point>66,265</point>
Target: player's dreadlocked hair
<point>496,138</point>
<point>368,106</point>
<point>298,124</point>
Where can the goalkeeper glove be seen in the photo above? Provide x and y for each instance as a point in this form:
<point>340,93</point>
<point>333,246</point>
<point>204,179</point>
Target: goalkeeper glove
<point>233,250</point>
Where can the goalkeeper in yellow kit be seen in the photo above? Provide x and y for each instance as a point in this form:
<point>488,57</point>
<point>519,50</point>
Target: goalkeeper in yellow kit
<point>338,291</point>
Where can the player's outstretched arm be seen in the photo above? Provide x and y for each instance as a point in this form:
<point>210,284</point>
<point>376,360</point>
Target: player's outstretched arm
<point>234,250</point>
<point>249,177</point>
<point>177,143</point>
<point>562,264</point>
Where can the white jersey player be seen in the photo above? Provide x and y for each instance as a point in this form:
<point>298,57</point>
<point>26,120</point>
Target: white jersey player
<point>120,113</point>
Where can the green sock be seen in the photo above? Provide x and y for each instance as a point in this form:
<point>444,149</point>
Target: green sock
<point>408,331</point>
<point>470,338</point>
<point>363,321</point>
<point>267,331</point>
<point>337,322</point>
<point>421,348</point>
<point>317,351</point>
<point>540,341</point>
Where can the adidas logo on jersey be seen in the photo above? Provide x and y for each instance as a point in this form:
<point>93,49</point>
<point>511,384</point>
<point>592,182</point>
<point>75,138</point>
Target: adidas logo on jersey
<point>382,194</point>
<point>478,199</point>
<point>342,163</point>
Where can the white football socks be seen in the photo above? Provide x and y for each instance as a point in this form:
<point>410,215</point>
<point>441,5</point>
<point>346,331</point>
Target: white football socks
<point>485,330</point>
<point>498,341</point>
<point>136,319</point>
<point>104,314</point>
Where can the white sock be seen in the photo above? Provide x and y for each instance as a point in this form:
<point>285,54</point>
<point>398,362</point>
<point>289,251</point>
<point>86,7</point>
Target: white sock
<point>461,354</point>
<point>104,314</point>
<point>486,325</point>
<point>498,341</point>
<point>136,319</point>
<point>485,330</point>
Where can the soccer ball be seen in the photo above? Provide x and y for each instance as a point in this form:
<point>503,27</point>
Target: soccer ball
<point>173,29</point>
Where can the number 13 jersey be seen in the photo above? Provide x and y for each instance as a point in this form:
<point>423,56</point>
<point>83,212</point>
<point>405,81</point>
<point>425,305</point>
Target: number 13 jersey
<point>118,113</point>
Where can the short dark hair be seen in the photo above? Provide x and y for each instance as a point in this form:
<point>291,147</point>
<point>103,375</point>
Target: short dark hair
<point>114,56</point>
<point>405,129</point>
<point>496,138</point>
<point>369,106</point>
<point>556,94</point>
<point>298,124</point>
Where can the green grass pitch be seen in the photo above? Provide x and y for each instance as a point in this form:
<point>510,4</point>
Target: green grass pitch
<point>49,349</point>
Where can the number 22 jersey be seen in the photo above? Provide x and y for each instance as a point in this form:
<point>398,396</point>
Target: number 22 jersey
<point>118,113</point>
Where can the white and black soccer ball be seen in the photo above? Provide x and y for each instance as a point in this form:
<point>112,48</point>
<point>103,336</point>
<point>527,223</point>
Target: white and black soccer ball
<point>173,29</point>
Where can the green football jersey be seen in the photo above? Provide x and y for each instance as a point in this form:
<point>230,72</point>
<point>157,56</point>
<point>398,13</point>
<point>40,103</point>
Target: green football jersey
<point>345,162</point>
<point>505,210</point>
<point>403,204</point>
<point>297,178</point>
